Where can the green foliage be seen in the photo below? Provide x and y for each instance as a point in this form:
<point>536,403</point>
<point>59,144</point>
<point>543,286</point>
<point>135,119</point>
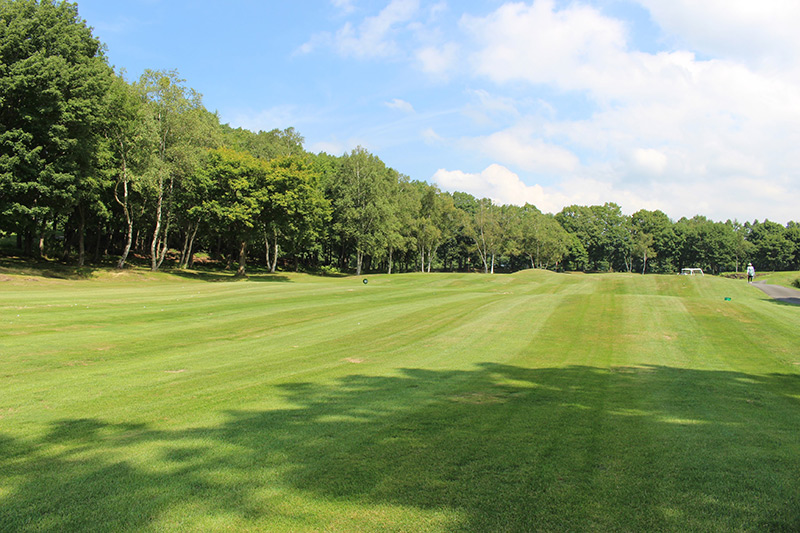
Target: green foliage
<point>85,155</point>
<point>53,77</point>
<point>362,193</point>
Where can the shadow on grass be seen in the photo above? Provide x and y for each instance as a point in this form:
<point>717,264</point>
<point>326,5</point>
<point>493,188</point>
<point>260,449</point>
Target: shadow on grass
<point>500,448</point>
<point>217,276</point>
<point>45,268</point>
<point>57,270</point>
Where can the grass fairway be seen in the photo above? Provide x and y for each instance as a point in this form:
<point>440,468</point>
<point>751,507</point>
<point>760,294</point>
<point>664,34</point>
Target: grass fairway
<point>532,401</point>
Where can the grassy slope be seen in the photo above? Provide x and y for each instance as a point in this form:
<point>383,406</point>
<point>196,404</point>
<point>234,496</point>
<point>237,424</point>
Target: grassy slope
<point>787,279</point>
<point>424,402</point>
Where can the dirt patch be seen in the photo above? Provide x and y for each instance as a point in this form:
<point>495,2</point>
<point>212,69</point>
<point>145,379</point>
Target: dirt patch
<point>5,278</point>
<point>354,360</point>
<point>479,398</point>
<point>175,371</point>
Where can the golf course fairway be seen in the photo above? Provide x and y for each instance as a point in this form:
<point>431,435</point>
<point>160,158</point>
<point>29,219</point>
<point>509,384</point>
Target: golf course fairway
<point>532,401</point>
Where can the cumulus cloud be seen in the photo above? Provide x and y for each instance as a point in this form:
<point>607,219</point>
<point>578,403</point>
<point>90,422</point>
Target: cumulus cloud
<point>653,118</point>
<point>759,33</point>
<point>519,147</point>
<point>538,44</point>
<point>559,93</point>
<point>501,185</point>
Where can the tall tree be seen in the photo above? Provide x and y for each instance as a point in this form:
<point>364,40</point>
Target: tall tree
<point>130,133</point>
<point>238,179</point>
<point>772,250</point>
<point>361,201</point>
<point>486,231</point>
<point>170,104</point>
<point>53,76</point>
<point>543,239</point>
<point>292,207</point>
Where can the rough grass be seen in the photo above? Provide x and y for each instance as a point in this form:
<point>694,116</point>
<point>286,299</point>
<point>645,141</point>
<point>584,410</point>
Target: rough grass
<point>533,401</point>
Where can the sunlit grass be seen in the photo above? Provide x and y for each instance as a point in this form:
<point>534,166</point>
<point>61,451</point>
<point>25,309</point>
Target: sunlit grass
<point>532,401</point>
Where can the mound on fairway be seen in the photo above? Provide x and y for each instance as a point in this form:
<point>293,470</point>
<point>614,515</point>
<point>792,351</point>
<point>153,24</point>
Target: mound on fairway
<point>533,401</point>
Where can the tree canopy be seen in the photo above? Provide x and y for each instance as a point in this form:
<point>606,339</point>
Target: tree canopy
<point>90,161</point>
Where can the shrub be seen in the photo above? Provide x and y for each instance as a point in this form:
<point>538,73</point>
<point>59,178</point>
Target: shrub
<point>796,283</point>
<point>328,270</point>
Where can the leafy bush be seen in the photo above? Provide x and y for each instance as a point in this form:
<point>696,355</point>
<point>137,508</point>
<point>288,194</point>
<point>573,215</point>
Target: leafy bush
<point>796,283</point>
<point>328,270</point>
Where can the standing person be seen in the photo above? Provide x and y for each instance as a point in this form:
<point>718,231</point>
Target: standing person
<point>751,273</point>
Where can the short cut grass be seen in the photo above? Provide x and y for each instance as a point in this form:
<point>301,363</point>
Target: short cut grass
<point>444,402</point>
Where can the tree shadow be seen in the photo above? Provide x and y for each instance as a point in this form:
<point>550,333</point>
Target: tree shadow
<point>45,268</point>
<point>499,448</point>
<point>229,277</point>
<point>786,301</point>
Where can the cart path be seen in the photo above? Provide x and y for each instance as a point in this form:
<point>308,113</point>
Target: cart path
<point>783,294</point>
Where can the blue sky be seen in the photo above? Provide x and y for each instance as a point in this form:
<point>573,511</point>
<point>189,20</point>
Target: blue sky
<point>684,106</point>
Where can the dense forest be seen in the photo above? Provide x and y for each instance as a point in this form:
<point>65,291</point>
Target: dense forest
<point>97,168</point>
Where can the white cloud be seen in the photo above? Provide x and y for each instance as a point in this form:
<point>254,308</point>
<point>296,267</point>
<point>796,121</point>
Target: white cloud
<point>400,105</point>
<point>519,147</point>
<point>760,33</point>
<point>438,60</point>
<point>650,161</point>
<point>666,122</point>
<point>559,93</point>
<point>538,44</point>
<point>373,37</point>
<point>501,185</point>
<point>430,136</point>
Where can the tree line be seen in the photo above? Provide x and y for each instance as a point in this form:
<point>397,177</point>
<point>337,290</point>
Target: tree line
<point>95,167</point>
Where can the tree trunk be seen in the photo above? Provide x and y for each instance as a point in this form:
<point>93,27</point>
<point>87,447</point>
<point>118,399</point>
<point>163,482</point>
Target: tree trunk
<point>190,250</point>
<point>128,240</point>
<point>81,243</point>
<point>359,259</point>
<point>96,257</point>
<point>168,215</point>
<point>266,247</point>
<point>274,264</point>
<point>389,268</point>
<point>157,231</point>
<point>164,245</point>
<point>492,263</point>
<point>185,249</point>
<point>242,260</point>
<point>124,204</point>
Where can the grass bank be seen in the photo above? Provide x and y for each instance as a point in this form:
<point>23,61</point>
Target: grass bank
<point>533,401</point>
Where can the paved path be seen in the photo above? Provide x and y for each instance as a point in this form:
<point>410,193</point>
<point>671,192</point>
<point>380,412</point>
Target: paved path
<point>780,293</point>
